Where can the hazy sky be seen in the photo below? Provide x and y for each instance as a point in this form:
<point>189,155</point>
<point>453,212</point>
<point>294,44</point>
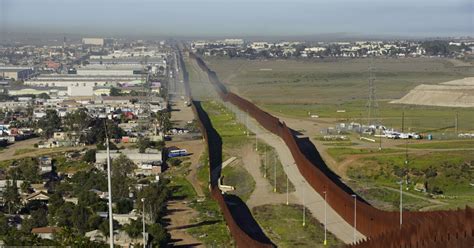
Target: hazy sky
<point>240,17</point>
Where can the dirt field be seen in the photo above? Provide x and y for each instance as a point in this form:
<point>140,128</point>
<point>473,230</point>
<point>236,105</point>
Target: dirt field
<point>455,93</point>
<point>329,80</point>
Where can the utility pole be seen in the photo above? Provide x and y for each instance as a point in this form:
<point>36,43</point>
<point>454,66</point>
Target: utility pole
<point>355,216</point>
<point>109,184</point>
<point>325,218</point>
<point>143,222</point>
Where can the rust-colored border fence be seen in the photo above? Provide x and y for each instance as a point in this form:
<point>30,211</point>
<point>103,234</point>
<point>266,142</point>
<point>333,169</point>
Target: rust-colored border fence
<point>420,229</point>
<point>242,239</point>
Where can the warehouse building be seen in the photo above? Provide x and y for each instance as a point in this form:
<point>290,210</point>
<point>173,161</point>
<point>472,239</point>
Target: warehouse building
<point>16,73</point>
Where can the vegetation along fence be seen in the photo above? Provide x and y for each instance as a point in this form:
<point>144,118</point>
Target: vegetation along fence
<point>382,228</point>
<point>214,144</point>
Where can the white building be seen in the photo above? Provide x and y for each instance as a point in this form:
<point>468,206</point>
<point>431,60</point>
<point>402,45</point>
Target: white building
<point>105,72</point>
<point>87,90</point>
<point>93,41</point>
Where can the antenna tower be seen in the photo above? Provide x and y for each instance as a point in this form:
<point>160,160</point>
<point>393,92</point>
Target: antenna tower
<point>372,105</point>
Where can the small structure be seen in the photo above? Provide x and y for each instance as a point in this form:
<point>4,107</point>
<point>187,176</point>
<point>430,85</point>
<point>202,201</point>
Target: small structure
<point>46,164</point>
<point>37,196</point>
<point>46,232</point>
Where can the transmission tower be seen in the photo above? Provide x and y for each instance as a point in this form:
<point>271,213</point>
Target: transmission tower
<point>372,105</point>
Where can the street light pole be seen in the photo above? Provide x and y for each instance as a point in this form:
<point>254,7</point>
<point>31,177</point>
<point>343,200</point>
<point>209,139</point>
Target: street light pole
<point>109,184</point>
<point>256,141</point>
<point>325,218</point>
<point>265,163</point>
<point>287,183</point>
<point>143,222</point>
<point>355,216</point>
<point>401,203</point>
<point>304,207</point>
<point>274,175</point>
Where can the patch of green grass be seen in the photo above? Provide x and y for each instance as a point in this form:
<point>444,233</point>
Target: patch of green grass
<point>270,166</point>
<point>450,173</point>
<point>70,166</point>
<point>341,153</point>
<point>213,229</point>
<point>386,199</point>
<point>23,151</point>
<point>182,188</point>
<point>283,225</point>
<point>459,144</point>
<point>342,143</point>
<point>232,132</point>
<point>235,175</point>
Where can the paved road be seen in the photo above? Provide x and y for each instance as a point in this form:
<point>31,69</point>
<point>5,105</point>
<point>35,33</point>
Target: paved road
<point>304,193</point>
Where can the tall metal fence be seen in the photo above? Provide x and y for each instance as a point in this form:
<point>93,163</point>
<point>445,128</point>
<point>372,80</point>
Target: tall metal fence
<point>242,239</point>
<point>383,229</point>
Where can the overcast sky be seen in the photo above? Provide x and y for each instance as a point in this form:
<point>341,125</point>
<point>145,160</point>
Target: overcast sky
<point>240,17</point>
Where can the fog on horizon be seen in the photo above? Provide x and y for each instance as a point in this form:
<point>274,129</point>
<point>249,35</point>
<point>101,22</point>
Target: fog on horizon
<point>239,17</point>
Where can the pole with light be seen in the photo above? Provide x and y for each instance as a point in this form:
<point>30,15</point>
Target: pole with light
<point>304,206</point>
<point>355,216</point>
<point>401,203</point>
<point>325,218</point>
<point>143,222</point>
<point>287,184</point>
<point>109,185</point>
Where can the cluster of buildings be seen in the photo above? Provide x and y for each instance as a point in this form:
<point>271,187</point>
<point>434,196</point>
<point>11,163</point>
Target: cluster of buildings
<point>398,48</point>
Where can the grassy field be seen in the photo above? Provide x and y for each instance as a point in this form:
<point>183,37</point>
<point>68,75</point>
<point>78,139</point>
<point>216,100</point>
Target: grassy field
<point>300,87</point>
<point>271,171</point>
<point>237,176</point>
<point>215,231</point>
<point>24,151</point>
<point>283,225</point>
<point>341,153</point>
<point>448,173</point>
<point>459,144</point>
<point>386,199</point>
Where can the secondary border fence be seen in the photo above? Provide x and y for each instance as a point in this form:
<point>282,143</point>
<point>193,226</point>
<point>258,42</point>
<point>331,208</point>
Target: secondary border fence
<point>214,145</point>
<point>382,228</point>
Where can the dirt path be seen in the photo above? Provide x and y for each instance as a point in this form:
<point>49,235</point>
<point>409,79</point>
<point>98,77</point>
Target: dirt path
<point>196,148</point>
<point>436,202</point>
<point>179,216</point>
<point>263,193</point>
<point>9,153</point>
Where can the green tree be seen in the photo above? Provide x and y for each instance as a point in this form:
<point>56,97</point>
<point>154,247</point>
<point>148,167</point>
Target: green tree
<point>159,237</point>
<point>62,216</point>
<point>121,168</point>
<point>43,96</point>
<point>104,227</point>
<point>49,123</point>
<point>11,197</point>
<point>134,229</point>
<point>4,227</point>
<point>25,187</point>
<point>79,218</point>
<point>78,120</point>
<point>124,206</point>
<point>89,156</point>
<point>115,91</point>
